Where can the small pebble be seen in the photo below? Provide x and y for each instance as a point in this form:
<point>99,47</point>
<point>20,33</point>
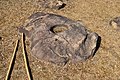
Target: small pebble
<point>53,4</point>
<point>115,23</point>
<point>59,5</point>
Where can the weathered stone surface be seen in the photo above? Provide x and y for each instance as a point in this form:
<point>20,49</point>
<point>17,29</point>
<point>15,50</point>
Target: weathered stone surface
<point>57,39</point>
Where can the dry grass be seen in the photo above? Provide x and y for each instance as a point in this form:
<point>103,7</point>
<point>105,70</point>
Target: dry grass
<point>95,14</point>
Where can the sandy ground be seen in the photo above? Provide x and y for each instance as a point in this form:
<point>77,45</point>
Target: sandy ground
<point>95,14</point>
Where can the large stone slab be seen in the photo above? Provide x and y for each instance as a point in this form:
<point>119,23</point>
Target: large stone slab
<point>57,39</point>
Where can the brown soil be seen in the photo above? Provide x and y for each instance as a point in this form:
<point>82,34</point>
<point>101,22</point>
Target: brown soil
<point>95,14</point>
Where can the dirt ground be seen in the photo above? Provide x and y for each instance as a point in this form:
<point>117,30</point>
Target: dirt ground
<point>95,14</point>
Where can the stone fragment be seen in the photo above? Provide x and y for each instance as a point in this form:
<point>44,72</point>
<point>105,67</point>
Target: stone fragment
<point>53,4</point>
<point>115,23</point>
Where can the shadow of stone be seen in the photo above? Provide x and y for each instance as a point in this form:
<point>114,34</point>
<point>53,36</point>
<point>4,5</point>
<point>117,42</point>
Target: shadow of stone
<point>97,45</point>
